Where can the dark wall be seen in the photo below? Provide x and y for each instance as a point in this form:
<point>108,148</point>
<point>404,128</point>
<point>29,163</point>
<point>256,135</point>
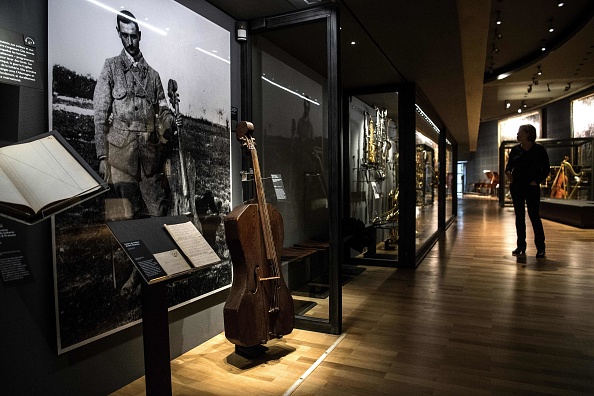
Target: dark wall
<point>29,362</point>
<point>558,123</point>
<point>486,155</point>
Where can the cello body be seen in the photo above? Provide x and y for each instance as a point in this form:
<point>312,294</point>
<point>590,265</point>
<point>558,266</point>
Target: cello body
<point>260,306</point>
<point>558,189</point>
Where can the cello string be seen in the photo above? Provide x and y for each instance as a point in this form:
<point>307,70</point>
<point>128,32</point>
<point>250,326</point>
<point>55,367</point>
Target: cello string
<point>266,228</point>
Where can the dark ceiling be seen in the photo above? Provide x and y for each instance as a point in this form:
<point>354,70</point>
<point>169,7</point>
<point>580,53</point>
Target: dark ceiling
<point>454,51</point>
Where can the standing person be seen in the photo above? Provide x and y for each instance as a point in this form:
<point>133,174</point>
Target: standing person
<point>527,167</point>
<point>127,101</point>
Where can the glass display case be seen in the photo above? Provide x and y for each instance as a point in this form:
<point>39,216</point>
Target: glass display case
<point>293,104</point>
<point>570,178</point>
<point>393,178</point>
<point>374,171</point>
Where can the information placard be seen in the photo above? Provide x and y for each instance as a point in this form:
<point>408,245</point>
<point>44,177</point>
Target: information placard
<point>18,60</point>
<point>13,262</point>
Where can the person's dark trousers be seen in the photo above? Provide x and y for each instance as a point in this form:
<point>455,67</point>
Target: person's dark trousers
<point>528,196</point>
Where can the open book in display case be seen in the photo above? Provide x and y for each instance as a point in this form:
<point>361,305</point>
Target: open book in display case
<point>43,176</point>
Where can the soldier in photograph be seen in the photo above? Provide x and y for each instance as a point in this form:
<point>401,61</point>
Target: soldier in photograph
<point>129,103</point>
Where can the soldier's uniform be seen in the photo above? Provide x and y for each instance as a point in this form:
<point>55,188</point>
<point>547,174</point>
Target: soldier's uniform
<point>127,102</point>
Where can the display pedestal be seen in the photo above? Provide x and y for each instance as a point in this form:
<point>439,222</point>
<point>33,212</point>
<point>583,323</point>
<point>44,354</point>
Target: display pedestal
<point>155,330</point>
<point>572,212</point>
<point>142,239</point>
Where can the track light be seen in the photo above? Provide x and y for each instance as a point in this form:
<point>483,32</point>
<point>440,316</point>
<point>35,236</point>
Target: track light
<point>524,105</point>
<point>560,3</point>
<point>548,88</point>
<point>519,110</point>
<point>568,87</point>
<point>539,72</point>
<point>534,81</point>
<point>529,88</point>
<point>543,47</point>
<point>507,104</point>
<point>495,50</point>
<point>551,27</point>
<point>497,35</point>
<point>498,19</point>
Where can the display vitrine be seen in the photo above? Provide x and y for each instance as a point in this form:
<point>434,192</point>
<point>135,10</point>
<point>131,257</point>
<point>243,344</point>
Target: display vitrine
<point>570,177</point>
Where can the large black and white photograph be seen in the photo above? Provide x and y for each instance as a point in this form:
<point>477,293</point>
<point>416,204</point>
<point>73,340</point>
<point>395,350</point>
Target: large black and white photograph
<point>141,90</point>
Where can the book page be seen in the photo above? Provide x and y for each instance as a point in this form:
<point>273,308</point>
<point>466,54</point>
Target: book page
<point>45,172</point>
<point>8,192</point>
<point>192,244</point>
<point>172,261</point>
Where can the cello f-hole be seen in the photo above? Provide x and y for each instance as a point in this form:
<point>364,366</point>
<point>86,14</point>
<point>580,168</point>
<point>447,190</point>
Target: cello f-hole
<point>256,279</point>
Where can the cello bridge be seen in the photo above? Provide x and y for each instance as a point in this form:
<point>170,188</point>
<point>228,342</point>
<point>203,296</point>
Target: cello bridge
<point>270,278</point>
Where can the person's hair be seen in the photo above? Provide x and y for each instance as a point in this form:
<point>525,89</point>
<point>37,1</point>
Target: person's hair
<point>125,19</point>
<point>531,132</point>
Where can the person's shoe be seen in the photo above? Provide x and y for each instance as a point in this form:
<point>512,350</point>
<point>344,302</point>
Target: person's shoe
<point>541,253</point>
<point>519,252</point>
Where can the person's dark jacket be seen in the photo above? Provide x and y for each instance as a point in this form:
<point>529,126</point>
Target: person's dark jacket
<point>528,166</point>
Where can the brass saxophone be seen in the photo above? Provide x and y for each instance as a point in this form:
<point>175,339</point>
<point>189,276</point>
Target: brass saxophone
<point>371,144</point>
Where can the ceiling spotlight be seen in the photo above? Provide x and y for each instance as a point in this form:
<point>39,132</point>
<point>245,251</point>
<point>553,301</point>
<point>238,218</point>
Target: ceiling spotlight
<point>551,27</point>
<point>568,87</point>
<point>498,19</point>
<point>507,104</point>
<point>560,3</point>
<point>534,81</point>
<point>497,34</point>
<point>519,110</point>
<point>539,72</point>
<point>495,50</point>
<point>548,88</point>
<point>543,47</point>
<point>529,88</point>
<point>524,105</point>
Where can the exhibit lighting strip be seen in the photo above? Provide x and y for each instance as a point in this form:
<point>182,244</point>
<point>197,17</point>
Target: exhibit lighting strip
<point>314,366</point>
<point>288,90</point>
<point>426,118</point>
<point>429,121</point>
<point>213,55</point>
<point>141,23</point>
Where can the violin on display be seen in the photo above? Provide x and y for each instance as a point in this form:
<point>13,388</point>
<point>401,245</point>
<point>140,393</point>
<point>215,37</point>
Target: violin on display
<point>260,305</point>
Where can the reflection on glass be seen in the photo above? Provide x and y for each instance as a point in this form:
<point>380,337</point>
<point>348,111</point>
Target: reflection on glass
<point>289,111</point>
<point>427,177</point>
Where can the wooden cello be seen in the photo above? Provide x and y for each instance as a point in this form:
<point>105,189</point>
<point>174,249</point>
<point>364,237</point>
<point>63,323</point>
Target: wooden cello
<point>259,306</point>
<point>558,188</point>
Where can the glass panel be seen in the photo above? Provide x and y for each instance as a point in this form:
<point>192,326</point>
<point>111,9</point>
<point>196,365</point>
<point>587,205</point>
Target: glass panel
<point>289,109</point>
<point>426,168</point>
<point>571,163</point>
<point>373,154</point>
<point>449,183</point>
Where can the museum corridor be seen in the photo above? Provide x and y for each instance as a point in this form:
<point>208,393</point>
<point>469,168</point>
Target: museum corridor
<point>470,320</point>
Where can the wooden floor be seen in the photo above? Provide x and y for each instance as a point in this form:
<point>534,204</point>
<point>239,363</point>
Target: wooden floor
<point>470,320</point>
